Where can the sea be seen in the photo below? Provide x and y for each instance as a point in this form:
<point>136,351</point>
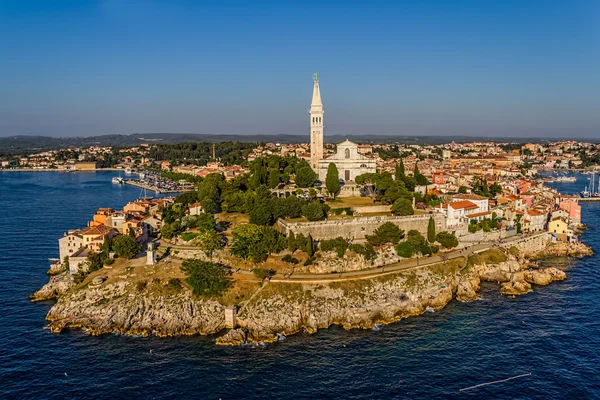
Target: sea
<point>553,334</point>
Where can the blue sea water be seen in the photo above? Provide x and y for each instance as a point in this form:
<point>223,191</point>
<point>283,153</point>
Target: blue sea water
<point>554,332</point>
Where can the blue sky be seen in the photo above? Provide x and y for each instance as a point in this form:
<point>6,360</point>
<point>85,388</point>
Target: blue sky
<point>492,68</point>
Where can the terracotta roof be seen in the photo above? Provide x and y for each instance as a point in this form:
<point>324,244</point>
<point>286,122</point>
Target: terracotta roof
<point>466,204</point>
<point>470,196</point>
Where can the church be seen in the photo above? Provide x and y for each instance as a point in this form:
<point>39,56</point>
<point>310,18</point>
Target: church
<point>347,159</point>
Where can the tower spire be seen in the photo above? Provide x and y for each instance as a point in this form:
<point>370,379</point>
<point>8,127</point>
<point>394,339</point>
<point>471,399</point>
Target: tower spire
<point>316,125</point>
<point>316,98</point>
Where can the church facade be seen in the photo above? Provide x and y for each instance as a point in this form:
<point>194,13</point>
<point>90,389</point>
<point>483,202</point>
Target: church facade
<point>349,162</point>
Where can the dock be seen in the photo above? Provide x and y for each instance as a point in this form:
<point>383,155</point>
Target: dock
<point>136,183</point>
<point>590,199</point>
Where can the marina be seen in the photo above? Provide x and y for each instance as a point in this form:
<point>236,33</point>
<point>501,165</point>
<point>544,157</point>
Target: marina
<point>155,183</point>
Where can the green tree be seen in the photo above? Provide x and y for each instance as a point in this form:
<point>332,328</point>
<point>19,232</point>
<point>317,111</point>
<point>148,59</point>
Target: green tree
<point>400,170</point>
<point>93,261</point>
<point>126,247</point>
<point>305,177</point>
<point>262,273</point>
<point>207,279</point>
<point>431,230</point>
<point>402,207</point>
<point>261,214</point>
<point>385,233</point>
<point>310,245</point>
<point>447,240</point>
<point>462,190</point>
<point>292,242</point>
<point>256,242</point>
<point>209,241</point>
<point>313,211</point>
<point>169,230</point>
<point>66,265</point>
<point>332,180</point>
<point>338,244</point>
<point>405,250</point>
<point>273,178</point>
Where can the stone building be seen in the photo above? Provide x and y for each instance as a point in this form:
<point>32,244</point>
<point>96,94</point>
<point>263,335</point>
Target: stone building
<point>349,162</point>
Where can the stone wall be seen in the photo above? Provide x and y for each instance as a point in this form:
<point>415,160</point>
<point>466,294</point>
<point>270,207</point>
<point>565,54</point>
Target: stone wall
<point>530,245</point>
<point>371,209</point>
<point>358,227</point>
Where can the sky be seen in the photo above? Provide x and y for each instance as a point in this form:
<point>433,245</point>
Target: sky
<point>522,68</point>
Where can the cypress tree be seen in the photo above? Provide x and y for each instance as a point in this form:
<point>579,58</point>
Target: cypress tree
<point>332,180</point>
<point>400,170</point>
<point>292,243</point>
<point>310,245</point>
<point>431,230</point>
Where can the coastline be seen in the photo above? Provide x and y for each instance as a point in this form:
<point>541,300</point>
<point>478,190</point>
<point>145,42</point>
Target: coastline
<point>282,308</point>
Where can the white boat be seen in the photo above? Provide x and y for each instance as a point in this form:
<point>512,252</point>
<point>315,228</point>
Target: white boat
<point>118,180</point>
<point>565,179</point>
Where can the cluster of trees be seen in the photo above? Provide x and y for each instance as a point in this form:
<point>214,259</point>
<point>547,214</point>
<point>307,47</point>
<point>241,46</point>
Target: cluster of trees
<point>301,242</point>
<point>229,153</point>
<point>256,242</point>
<point>386,233</point>
<point>207,279</point>
<point>480,187</point>
<point>415,243</point>
<point>486,224</point>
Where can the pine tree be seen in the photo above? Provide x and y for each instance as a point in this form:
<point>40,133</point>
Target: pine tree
<point>400,170</point>
<point>416,171</point>
<point>431,230</point>
<point>332,180</point>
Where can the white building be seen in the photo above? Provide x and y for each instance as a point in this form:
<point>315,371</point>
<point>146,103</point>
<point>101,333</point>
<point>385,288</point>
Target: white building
<point>348,160</point>
<point>316,125</point>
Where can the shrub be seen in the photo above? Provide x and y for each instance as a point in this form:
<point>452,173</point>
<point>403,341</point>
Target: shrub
<point>187,236</point>
<point>141,285</point>
<point>288,258</point>
<point>262,273</point>
<point>310,260</point>
<point>338,244</point>
<point>447,240</point>
<point>434,248</point>
<point>174,284</point>
<point>405,250</point>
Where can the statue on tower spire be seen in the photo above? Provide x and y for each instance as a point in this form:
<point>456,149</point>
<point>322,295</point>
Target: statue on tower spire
<point>316,77</point>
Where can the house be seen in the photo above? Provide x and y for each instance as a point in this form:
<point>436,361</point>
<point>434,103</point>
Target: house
<point>462,211</point>
<point>75,245</point>
<point>571,206</point>
<point>537,220</point>
<point>560,228</point>
<point>195,209</point>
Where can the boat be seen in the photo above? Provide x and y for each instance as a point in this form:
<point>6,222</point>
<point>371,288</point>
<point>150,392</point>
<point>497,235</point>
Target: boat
<point>128,170</point>
<point>118,180</point>
<point>565,179</point>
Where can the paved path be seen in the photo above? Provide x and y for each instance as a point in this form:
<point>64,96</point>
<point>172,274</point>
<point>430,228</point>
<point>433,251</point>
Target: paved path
<point>418,262</point>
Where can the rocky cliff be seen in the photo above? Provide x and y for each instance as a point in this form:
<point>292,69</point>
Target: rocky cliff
<point>123,305</point>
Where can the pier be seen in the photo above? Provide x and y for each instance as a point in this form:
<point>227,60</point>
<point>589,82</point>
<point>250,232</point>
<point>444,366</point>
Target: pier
<point>152,188</point>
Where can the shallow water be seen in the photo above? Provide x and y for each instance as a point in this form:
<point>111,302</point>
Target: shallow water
<point>554,332</point>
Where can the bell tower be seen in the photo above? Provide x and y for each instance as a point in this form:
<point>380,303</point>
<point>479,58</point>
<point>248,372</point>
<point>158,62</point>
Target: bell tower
<point>316,125</point>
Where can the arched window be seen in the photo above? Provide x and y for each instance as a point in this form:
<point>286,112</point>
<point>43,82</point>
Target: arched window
<point>347,153</point>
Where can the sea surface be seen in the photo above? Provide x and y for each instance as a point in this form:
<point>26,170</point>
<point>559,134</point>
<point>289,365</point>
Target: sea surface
<point>552,333</point>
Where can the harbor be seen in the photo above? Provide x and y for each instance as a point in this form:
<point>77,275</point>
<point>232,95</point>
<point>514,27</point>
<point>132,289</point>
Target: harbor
<point>153,182</point>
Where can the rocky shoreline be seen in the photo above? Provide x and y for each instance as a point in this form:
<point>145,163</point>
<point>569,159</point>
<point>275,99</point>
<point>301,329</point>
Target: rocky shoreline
<point>286,308</point>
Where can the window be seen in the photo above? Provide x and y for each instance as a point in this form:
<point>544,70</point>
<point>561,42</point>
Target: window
<point>347,153</point>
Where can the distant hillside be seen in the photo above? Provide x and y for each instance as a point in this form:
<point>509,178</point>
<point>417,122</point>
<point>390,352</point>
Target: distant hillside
<point>28,144</point>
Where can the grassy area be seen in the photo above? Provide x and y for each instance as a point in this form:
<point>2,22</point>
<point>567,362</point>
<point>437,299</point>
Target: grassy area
<point>187,236</point>
<point>449,267</point>
<point>492,256</point>
<point>351,202</point>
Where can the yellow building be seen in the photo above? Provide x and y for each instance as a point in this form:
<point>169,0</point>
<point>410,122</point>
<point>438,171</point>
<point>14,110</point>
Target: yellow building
<point>560,228</point>
<point>85,166</point>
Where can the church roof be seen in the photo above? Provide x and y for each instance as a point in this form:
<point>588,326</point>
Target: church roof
<point>347,143</point>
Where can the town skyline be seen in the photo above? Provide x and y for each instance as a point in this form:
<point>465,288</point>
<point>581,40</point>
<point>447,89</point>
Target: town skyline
<point>467,69</point>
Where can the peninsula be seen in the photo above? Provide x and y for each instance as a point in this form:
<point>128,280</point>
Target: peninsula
<point>276,239</point>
